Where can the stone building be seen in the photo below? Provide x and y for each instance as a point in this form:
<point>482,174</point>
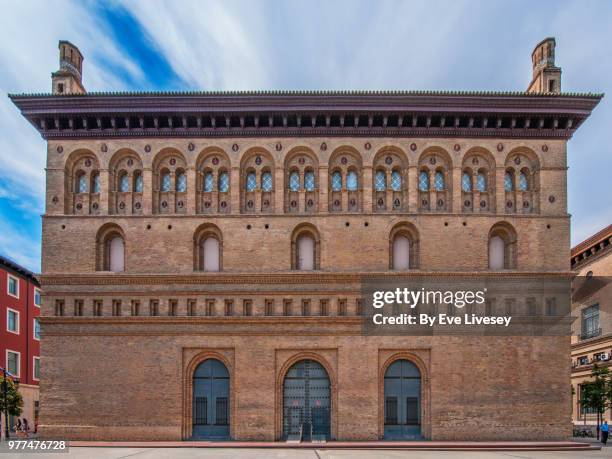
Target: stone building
<point>592,307</point>
<point>203,254</point>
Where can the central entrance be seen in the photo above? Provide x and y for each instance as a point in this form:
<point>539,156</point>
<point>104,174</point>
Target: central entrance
<point>306,402</point>
<point>211,401</point>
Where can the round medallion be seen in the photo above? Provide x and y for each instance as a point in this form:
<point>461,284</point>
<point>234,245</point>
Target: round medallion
<point>457,147</point>
<point>525,204</point>
<point>55,200</point>
<point>137,205</point>
<point>235,147</point>
<point>466,203</point>
<point>396,202</point>
<point>380,202</point>
<point>424,202</point>
<point>368,145</point>
<point>79,206</point>
<point>104,148</point>
<point>475,161</point>
<point>310,203</point>
<point>336,203</point>
<point>95,206</point>
<point>509,204</point>
<point>483,204</point>
<point>302,160</point>
<point>147,148</point>
<point>266,203</point>
<point>500,147</point>
<point>164,204</point>
<point>517,160</point>
<point>88,162</point>
<point>279,146</point>
<point>323,146</point>
<point>413,146</point>
<point>433,160</point>
<point>249,204</point>
<point>258,160</point>
<point>172,161</point>
<point>180,204</point>
<point>122,205</point>
<point>440,203</point>
<point>551,199</point>
<point>344,160</point>
<point>293,203</point>
<point>223,204</point>
<point>388,160</point>
<point>130,162</point>
<point>60,149</point>
<point>352,202</point>
<point>215,161</point>
<point>191,146</point>
<point>544,147</point>
<point>207,204</point>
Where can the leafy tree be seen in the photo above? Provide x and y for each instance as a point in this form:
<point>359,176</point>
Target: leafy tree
<point>597,394</point>
<point>13,398</point>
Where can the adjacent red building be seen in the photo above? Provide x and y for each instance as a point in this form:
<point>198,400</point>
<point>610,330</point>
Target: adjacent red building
<point>20,332</point>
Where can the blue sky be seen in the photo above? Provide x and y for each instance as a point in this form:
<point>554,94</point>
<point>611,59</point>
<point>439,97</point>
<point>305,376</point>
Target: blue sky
<point>222,45</point>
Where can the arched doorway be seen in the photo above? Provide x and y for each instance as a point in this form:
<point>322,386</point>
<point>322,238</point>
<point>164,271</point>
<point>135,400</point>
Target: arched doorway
<point>211,401</point>
<point>306,402</point>
<point>402,401</point>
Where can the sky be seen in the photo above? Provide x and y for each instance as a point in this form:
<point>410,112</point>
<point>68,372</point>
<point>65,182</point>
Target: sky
<point>315,44</point>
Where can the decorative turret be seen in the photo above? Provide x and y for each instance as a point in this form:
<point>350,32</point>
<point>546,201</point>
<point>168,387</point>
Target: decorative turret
<point>546,77</point>
<point>68,79</point>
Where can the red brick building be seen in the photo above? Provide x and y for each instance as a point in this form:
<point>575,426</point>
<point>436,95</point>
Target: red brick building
<point>20,332</point>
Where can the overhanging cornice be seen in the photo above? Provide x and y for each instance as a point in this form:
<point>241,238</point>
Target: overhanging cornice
<point>301,113</point>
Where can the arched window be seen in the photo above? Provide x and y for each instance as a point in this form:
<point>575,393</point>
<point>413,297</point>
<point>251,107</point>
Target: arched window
<point>466,182</point>
<point>508,181</point>
<point>523,182</point>
<point>251,181</point>
<point>352,183</point>
<point>138,182</point>
<point>95,182</point>
<point>210,254</point>
<point>337,181</point>
<point>305,252</point>
<point>223,182</point>
<point>309,181</point>
<point>381,181</point>
<point>401,253</point>
<point>424,181</point>
<point>181,182</point>
<point>124,183</point>
<point>116,254</point>
<point>165,181</point>
<point>266,181</point>
<point>81,183</point>
<point>209,182</point>
<point>396,180</point>
<point>439,181</point>
<point>481,182</point>
<point>496,253</point>
<point>294,181</point>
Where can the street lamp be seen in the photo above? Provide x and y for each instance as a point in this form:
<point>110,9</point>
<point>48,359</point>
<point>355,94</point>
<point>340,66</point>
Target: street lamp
<point>5,395</point>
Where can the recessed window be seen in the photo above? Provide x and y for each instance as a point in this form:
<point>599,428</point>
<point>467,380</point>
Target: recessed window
<point>95,183</point>
<point>81,183</point>
<point>37,298</point>
<point>181,182</point>
<point>523,182</point>
<point>36,368</point>
<point>12,362</point>
<point>13,286</point>
<point>423,181</point>
<point>481,182</point>
<point>12,321</point>
<point>396,181</point>
<point>165,181</point>
<point>223,182</point>
<point>209,181</point>
<point>251,181</point>
<point>124,183</point>
<point>294,181</point>
<point>36,329</point>
<point>508,181</point>
<point>309,181</point>
<point>266,181</point>
<point>590,322</point>
<point>381,181</point>
<point>439,181</point>
<point>466,182</point>
<point>137,182</point>
<point>337,181</point>
<point>352,183</point>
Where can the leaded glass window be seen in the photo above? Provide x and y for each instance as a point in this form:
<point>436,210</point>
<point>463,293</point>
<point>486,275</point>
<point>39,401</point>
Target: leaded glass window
<point>481,182</point>
<point>294,181</point>
<point>224,182</point>
<point>396,181</point>
<point>508,182</point>
<point>466,182</point>
<point>337,181</point>
<point>181,182</point>
<point>124,183</point>
<point>209,182</point>
<point>351,181</point>
<point>266,181</point>
<point>165,181</point>
<point>309,181</point>
<point>523,183</point>
<point>138,182</point>
<point>251,181</point>
<point>95,183</point>
<point>424,181</point>
<point>380,182</point>
<point>82,183</point>
<point>439,181</point>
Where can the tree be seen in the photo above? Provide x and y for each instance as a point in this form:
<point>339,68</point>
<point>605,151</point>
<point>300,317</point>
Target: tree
<point>14,400</point>
<point>597,394</point>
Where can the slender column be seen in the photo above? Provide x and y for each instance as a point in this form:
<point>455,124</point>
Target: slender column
<point>191,191</point>
<point>412,189</point>
<point>279,190</point>
<point>235,190</point>
<point>456,191</point>
<point>323,185</point>
<point>367,189</point>
<point>500,194</point>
